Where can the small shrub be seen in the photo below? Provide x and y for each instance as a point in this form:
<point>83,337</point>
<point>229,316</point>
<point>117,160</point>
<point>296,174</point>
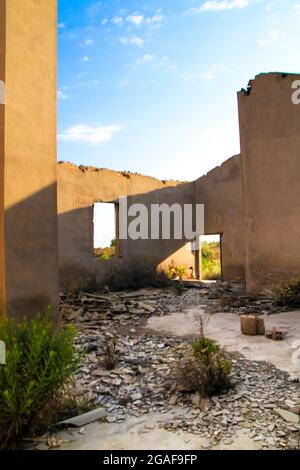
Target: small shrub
<point>287,293</point>
<point>177,271</point>
<point>105,254</point>
<point>204,367</point>
<point>39,361</point>
<point>111,356</point>
<point>204,348</point>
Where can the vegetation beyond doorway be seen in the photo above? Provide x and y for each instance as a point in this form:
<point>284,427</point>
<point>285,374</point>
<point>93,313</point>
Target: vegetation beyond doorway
<point>105,239</point>
<point>211,257</point>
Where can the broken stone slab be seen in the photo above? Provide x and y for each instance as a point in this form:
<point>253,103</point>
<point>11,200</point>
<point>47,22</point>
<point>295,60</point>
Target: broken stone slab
<point>147,307</point>
<point>295,410</point>
<point>287,416</point>
<point>196,399</point>
<point>86,418</point>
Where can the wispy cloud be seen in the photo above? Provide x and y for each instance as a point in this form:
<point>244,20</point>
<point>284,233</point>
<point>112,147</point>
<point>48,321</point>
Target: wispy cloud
<point>138,19</point>
<point>154,63</point>
<point>124,83</point>
<point>146,59</point>
<point>85,59</point>
<point>297,8</point>
<point>61,96</point>
<point>135,41</point>
<point>208,74</point>
<point>272,37</point>
<point>94,9</point>
<point>89,42</point>
<point>219,5</point>
<point>61,25</point>
<point>82,133</point>
<point>135,19</point>
<point>155,19</point>
<point>117,20</point>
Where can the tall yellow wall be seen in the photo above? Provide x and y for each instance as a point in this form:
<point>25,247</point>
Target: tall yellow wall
<point>30,222</point>
<point>2,78</point>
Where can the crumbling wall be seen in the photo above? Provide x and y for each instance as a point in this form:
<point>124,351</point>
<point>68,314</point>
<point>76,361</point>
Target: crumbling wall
<point>270,145</point>
<point>221,193</point>
<point>28,156</point>
<point>78,189</point>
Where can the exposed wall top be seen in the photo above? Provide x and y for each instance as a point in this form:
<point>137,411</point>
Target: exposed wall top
<point>125,174</point>
<point>263,77</point>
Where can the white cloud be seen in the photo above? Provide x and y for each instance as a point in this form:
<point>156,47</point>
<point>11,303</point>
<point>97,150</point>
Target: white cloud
<point>208,74</point>
<point>135,19</point>
<point>61,96</point>
<point>297,8</point>
<point>89,42</point>
<point>117,20</point>
<point>136,41</point>
<point>124,83</point>
<point>61,25</point>
<point>220,5</point>
<point>104,21</point>
<point>272,37</point>
<point>158,18</point>
<point>72,35</point>
<point>82,133</point>
<point>85,59</point>
<point>146,59</point>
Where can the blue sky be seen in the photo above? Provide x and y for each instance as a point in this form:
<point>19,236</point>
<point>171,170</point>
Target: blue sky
<point>150,86</point>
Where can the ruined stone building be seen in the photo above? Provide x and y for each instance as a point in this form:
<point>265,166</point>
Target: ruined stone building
<point>46,229</point>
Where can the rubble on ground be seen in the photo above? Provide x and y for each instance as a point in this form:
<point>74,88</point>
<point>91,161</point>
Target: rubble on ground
<point>142,381</point>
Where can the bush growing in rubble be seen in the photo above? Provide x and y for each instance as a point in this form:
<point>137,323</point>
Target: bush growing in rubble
<point>204,367</point>
<point>287,294</point>
<point>177,271</point>
<point>39,361</point>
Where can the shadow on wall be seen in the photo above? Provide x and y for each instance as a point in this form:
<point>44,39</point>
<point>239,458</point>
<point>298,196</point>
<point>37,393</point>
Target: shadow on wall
<point>77,264</point>
<point>31,254</point>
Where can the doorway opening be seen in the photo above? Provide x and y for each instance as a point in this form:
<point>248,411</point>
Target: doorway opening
<point>105,231</point>
<point>211,266</point>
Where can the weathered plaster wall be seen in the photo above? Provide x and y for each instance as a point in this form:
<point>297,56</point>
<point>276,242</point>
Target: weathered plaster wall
<point>78,190</point>
<point>270,145</point>
<point>2,78</point>
<point>221,193</point>
<point>29,157</point>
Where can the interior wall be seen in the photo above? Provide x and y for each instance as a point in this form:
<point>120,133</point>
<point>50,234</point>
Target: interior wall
<point>221,193</point>
<point>78,189</point>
